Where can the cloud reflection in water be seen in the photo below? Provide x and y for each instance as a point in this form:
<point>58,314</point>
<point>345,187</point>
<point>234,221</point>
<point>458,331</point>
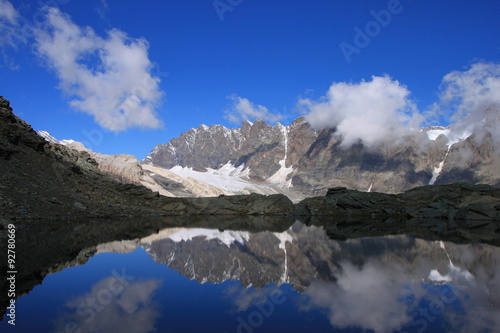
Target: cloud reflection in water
<point>113,305</point>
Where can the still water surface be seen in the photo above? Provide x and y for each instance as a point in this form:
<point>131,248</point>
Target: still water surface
<point>299,280</point>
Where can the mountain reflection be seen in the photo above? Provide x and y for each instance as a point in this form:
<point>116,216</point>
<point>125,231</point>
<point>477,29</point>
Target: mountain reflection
<point>386,284</point>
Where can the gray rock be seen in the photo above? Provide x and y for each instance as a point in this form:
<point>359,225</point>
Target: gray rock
<point>55,200</point>
<point>79,206</point>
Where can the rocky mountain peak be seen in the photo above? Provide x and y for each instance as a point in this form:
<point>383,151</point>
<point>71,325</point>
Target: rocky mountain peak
<point>310,161</point>
<point>258,147</point>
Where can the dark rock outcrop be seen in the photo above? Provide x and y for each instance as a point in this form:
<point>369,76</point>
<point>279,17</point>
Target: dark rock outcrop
<point>252,204</point>
<point>459,212</point>
<point>455,201</point>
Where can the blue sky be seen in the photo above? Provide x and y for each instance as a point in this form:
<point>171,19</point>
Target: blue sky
<point>122,76</point>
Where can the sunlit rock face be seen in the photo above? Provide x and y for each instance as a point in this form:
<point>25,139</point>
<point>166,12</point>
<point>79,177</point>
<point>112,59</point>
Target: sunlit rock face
<point>262,150</point>
<point>473,160</point>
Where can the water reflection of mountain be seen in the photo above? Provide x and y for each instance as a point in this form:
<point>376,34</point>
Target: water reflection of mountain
<point>302,254</point>
<point>373,282</point>
<point>350,279</point>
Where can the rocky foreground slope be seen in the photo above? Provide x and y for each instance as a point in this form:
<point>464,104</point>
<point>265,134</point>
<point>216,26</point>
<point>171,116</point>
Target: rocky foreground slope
<point>41,179</point>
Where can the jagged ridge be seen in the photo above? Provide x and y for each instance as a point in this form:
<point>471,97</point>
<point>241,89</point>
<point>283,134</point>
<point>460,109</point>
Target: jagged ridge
<point>296,157</point>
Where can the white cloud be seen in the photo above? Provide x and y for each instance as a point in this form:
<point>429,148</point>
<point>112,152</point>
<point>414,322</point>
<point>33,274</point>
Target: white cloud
<point>242,109</point>
<point>9,25</point>
<point>469,92</point>
<point>109,78</point>
<point>7,12</point>
<point>473,98</point>
<point>370,111</point>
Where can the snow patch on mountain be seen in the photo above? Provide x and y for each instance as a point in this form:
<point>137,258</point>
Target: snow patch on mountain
<point>452,137</point>
<point>67,142</point>
<point>189,185</point>
<point>283,238</point>
<point>436,131</point>
<point>47,136</point>
<point>280,176</point>
<point>228,177</point>
<point>437,170</point>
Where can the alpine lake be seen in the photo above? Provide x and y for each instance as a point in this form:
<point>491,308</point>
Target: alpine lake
<point>244,274</point>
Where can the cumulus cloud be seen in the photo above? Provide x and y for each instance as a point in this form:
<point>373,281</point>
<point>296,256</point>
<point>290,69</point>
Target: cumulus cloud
<point>108,78</point>
<point>242,109</point>
<point>370,111</point>
<point>10,35</point>
<point>469,92</point>
<point>473,98</point>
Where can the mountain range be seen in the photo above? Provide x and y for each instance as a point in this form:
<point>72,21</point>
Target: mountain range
<point>300,161</point>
